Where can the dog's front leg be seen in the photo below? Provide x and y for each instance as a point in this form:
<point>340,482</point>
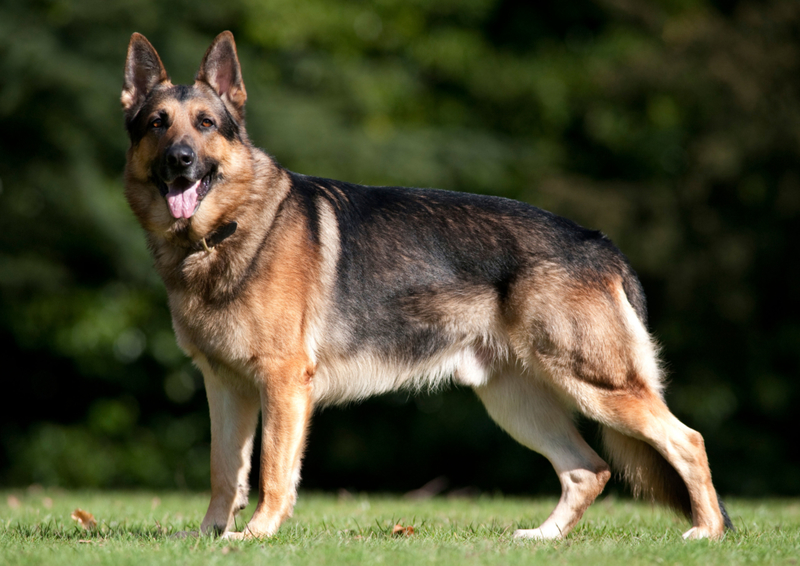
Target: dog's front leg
<point>286,408</point>
<point>234,415</point>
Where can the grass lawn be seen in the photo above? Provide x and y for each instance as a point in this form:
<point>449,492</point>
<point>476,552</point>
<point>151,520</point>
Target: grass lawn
<point>135,528</point>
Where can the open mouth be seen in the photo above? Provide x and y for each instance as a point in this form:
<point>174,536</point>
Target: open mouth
<point>184,195</point>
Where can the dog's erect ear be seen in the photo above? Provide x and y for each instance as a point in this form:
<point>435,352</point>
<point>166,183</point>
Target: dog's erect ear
<point>221,70</point>
<point>143,71</point>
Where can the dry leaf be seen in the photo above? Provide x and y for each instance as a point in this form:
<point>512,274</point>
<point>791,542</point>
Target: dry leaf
<point>400,530</point>
<point>85,519</point>
<point>14,502</point>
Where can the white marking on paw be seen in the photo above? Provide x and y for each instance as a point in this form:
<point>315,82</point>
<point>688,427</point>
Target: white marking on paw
<point>538,534</point>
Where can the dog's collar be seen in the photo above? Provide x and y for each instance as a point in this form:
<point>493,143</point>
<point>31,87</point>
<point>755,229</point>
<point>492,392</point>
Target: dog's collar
<point>216,238</point>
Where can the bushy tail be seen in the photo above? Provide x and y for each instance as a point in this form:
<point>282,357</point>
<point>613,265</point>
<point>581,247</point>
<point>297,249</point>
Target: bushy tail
<point>647,472</point>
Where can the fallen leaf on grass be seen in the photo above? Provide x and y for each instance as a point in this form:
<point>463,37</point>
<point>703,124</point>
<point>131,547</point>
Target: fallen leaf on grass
<point>85,519</point>
<point>400,530</point>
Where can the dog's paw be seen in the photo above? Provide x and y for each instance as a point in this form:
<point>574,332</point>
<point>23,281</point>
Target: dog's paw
<point>698,533</point>
<point>537,534</point>
<point>232,535</point>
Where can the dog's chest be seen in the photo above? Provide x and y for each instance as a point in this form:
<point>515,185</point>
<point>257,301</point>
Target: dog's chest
<point>218,333</point>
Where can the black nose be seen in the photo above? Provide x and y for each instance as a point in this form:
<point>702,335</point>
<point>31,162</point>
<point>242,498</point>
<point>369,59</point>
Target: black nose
<point>180,156</point>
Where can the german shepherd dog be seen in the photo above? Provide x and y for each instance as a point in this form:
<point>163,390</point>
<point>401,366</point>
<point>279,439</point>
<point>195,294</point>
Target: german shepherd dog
<point>291,292</point>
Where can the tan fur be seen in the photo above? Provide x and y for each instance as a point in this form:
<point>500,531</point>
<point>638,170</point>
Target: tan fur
<point>258,316</point>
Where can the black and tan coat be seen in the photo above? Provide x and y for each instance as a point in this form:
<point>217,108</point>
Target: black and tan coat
<point>290,292</point>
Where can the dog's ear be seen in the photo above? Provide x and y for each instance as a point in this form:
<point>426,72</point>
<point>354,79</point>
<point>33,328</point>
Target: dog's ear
<point>143,71</point>
<point>220,69</point>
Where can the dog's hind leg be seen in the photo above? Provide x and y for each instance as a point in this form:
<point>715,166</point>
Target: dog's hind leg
<point>595,349</point>
<point>234,414</point>
<point>533,415</point>
<point>644,416</point>
<point>636,408</point>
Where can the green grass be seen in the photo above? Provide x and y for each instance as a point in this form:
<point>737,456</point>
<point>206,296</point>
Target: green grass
<point>135,528</point>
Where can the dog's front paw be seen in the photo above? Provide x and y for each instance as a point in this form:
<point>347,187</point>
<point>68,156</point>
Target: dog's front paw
<point>215,525</point>
<point>537,534</point>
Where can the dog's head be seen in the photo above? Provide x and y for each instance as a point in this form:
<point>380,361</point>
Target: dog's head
<point>188,143</point>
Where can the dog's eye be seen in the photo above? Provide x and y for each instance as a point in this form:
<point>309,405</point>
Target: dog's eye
<point>206,122</point>
<point>156,123</point>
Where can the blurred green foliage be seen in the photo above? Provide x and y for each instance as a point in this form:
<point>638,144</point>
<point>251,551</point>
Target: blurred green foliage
<point>673,126</point>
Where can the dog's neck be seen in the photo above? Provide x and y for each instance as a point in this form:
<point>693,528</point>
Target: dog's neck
<point>185,263</point>
<point>186,241</point>
<point>213,264</point>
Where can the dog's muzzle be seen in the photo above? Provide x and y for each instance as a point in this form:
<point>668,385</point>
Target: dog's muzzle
<point>185,184</point>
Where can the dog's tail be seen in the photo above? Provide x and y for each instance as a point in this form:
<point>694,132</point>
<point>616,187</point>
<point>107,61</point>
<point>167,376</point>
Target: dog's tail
<point>647,472</point>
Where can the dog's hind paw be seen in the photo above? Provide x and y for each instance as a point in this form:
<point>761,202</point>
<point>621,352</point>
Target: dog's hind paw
<point>697,533</point>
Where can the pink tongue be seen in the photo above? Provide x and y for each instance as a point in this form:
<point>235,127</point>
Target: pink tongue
<point>182,198</point>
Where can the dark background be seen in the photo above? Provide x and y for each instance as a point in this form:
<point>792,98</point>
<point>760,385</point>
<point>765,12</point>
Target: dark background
<point>671,125</point>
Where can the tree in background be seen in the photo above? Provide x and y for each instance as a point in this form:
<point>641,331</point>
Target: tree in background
<point>672,126</point>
